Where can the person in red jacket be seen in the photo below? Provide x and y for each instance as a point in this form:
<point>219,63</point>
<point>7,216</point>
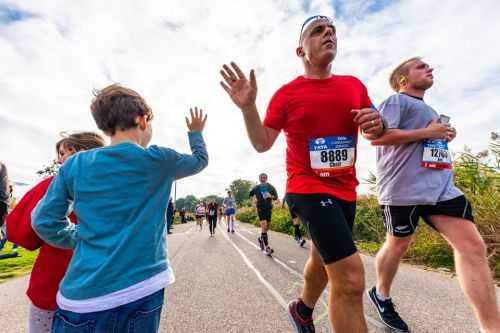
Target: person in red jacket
<point>51,263</point>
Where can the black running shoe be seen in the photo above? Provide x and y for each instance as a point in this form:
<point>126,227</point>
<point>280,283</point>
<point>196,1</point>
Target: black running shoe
<point>302,242</point>
<point>387,313</point>
<point>261,243</point>
<point>269,251</point>
<point>301,325</point>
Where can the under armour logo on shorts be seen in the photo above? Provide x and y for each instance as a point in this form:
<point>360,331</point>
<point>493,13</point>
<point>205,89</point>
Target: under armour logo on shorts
<point>329,201</point>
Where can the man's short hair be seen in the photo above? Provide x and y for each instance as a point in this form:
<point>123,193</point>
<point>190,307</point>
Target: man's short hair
<point>116,108</point>
<point>401,70</point>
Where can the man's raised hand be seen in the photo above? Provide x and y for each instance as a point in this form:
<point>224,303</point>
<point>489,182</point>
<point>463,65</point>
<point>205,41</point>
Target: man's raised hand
<point>243,92</point>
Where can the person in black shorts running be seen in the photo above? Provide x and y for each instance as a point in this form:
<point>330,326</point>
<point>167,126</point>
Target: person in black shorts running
<point>265,193</point>
<point>297,233</point>
<point>415,180</point>
<point>321,115</point>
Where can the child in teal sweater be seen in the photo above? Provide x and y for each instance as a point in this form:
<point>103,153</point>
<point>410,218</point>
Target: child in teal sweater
<point>120,193</point>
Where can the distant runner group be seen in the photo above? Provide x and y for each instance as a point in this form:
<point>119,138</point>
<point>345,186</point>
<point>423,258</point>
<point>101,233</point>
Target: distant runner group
<point>99,223</point>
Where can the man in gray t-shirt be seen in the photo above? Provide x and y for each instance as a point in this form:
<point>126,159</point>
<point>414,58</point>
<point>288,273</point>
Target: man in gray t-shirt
<point>415,180</point>
<point>398,166</point>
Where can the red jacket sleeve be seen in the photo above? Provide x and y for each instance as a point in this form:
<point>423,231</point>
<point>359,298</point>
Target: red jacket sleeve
<point>19,230</point>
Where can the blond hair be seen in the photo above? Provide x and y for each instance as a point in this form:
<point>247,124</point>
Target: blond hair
<point>400,73</point>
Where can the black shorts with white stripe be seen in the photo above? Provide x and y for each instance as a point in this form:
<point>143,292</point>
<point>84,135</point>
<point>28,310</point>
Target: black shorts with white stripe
<point>402,221</point>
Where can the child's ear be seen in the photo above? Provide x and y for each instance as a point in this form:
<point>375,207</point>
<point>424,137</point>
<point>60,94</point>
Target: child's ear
<point>141,122</point>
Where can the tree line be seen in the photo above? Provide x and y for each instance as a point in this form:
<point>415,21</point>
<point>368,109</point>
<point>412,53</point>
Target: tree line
<point>240,188</point>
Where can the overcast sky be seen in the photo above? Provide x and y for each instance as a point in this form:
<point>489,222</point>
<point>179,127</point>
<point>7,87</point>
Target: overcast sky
<point>54,53</point>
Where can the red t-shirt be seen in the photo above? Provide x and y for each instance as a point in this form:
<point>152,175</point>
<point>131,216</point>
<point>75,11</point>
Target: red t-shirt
<point>307,109</point>
<point>51,263</point>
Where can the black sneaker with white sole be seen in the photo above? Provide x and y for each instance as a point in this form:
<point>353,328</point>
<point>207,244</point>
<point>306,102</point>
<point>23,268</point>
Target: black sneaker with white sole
<point>300,324</point>
<point>302,242</point>
<point>387,313</point>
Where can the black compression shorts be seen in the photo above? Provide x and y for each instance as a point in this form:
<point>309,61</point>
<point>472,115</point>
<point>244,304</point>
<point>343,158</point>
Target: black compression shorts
<point>329,221</point>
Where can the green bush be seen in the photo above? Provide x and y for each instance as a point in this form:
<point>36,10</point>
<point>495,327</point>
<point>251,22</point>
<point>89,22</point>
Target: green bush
<point>477,175</point>
<point>368,226</point>
<point>281,221</point>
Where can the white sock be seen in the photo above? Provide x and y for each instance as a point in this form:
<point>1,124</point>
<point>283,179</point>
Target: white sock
<point>381,297</point>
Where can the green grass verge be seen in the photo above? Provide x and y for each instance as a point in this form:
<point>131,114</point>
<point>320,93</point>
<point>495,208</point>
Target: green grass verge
<point>18,266</point>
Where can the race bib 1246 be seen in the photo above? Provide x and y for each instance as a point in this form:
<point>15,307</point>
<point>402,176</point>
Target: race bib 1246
<point>436,155</point>
<point>332,156</point>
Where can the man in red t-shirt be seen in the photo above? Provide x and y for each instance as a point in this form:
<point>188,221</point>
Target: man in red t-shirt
<point>321,115</point>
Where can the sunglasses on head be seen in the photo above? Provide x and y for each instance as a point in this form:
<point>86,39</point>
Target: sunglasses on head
<point>310,20</point>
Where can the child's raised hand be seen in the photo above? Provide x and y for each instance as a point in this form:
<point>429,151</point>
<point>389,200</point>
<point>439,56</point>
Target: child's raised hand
<point>197,122</point>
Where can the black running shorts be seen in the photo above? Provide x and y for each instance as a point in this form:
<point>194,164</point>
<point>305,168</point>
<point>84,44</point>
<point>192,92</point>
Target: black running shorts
<point>329,222</point>
<point>402,221</point>
<point>264,213</point>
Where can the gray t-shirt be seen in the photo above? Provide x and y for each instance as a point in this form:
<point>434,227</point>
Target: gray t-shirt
<point>401,180</point>
<point>4,184</point>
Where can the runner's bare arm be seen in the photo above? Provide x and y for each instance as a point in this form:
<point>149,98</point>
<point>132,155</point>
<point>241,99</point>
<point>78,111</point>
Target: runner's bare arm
<point>261,137</point>
<point>394,136</point>
<point>243,93</point>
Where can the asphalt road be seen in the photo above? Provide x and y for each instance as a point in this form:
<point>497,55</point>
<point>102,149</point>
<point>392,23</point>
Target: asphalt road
<point>224,284</point>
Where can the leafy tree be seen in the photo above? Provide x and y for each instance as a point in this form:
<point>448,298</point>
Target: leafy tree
<point>241,188</point>
<point>48,170</point>
<point>188,203</point>
<point>214,197</point>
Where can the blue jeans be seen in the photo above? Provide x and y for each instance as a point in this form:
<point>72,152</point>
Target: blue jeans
<point>141,316</point>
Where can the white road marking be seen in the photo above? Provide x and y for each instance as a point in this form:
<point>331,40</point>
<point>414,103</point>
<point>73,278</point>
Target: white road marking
<point>288,268</point>
<point>246,230</point>
<point>250,265</point>
<point>185,233</point>
<point>371,320</point>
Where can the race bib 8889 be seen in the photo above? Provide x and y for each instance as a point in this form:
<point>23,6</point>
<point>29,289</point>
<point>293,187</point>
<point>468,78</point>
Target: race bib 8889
<point>332,156</point>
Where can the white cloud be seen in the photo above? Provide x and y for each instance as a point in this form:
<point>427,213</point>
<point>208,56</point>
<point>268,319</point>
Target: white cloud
<point>171,53</point>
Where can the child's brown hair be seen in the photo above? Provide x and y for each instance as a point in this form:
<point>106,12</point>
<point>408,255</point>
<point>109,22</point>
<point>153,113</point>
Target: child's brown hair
<point>116,108</point>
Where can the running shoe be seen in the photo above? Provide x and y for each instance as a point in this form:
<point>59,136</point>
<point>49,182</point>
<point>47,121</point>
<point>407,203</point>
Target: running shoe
<point>302,242</point>
<point>387,313</point>
<point>269,251</point>
<point>301,325</point>
<point>232,231</point>
<point>261,243</point>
